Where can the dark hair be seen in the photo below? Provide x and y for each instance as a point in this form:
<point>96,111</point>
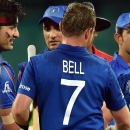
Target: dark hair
<point>11,9</point>
<point>120,29</point>
<point>77,18</point>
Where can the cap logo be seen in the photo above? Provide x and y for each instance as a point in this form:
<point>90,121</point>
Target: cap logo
<point>54,10</point>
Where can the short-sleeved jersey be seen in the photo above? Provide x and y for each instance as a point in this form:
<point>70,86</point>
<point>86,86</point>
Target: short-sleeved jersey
<point>119,65</point>
<point>7,91</point>
<point>101,54</point>
<point>21,67</point>
<point>70,85</point>
<point>122,71</point>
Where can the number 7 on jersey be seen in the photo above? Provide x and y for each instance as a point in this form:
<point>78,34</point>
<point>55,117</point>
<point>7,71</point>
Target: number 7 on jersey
<point>80,84</point>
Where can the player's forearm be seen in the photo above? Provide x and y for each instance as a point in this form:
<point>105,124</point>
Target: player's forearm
<point>122,127</point>
<point>122,118</point>
<point>20,111</point>
<point>13,126</point>
<point>9,122</point>
<point>124,124</point>
<point>21,118</point>
<point>106,115</point>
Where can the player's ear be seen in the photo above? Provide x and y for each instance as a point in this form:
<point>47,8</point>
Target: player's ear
<point>88,33</point>
<point>118,38</point>
<point>60,26</point>
<point>91,31</point>
<point>95,33</point>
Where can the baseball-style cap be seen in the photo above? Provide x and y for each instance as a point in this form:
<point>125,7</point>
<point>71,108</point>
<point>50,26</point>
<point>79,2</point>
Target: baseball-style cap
<point>54,13</point>
<point>123,21</point>
<point>101,23</point>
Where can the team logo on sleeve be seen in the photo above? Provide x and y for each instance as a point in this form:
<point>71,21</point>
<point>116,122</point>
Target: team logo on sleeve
<point>7,89</point>
<point>24,87</point>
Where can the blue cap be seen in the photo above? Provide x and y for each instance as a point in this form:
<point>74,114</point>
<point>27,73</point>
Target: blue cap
<point>123,21</point>
<point>54,13</point>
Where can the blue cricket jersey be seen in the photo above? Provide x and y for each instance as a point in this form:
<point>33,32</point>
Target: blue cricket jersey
<point>70,85</point>
<point>124,81</point>
<point>7,91</point>
<point>21,67</point>
<point>122,71</point>
<point>119,66</point>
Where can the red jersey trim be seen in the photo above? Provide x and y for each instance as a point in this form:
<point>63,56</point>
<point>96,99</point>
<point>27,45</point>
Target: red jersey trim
<point>101,54</point>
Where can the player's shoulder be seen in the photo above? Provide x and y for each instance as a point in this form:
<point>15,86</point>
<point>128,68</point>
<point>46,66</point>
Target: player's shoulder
<point>6,66</point>
<point>23,64</point>
<point>38,57</point>
<point>2,61</point>
<point>105,55</point>
<point>43,54</point>
<point>113,62</point>
<point>100,59</point>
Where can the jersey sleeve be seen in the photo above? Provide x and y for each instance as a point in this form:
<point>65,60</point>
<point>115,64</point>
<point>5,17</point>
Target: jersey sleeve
<point>7,91</point>
<point>115,98</point>
<point>27,85</point>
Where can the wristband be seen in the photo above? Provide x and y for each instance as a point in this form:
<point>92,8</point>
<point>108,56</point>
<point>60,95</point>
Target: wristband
<point>23,127</point>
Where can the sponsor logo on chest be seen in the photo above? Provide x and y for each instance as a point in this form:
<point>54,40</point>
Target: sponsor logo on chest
<point>6,89</point>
